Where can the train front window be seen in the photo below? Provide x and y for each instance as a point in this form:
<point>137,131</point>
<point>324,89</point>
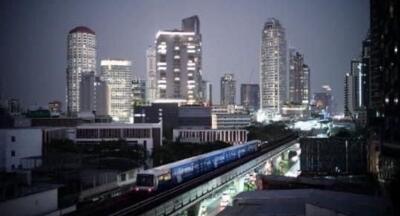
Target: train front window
<point>145,180</point>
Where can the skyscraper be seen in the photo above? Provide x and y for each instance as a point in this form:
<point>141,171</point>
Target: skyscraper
<point>178,62</point>
<point>250,96</point>
<point>384,84</point>
<point>353,90</point>
<point>151,83</point>
<point>207,93</point>
<point>118,74</point>
<point>81,59</point>
<point>228,89</point>
<point>273,81</point>
<point>299,79</point>
<point>348,95</point>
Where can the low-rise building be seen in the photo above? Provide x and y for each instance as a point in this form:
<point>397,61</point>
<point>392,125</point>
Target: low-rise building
<point>146,134</point>
<point>20,148</point>
<point>232,136</point>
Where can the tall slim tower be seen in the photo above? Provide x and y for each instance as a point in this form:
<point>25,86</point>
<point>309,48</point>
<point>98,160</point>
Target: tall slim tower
<point>81,59</point>
<point>228,89</point>
<point>299,79</point>
<point>118,74</point>
<point>273,81</point>
<point>178,62</point>
<point>151,82</point>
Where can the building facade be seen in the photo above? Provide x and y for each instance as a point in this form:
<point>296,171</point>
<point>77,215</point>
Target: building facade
<point>94,95</point>
<point>231,136</point>
<point>151,82</point>
<point>250,96</point>
<point>273,79</point>
<point>138,91</point>
<point>384,84</point>
<point>228,89</point>
<point>178,63</point>
<point>118,75</point>
<point>19,147</point>
<point>81,59</point>
<point>230,120</point>
<point>299,79</point>
<point>148,135</point>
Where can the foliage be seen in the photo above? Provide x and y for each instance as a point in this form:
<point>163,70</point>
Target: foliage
<point>268,132</point>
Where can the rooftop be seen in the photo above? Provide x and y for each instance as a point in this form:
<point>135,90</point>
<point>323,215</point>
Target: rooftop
<point>305,202</point>
<point>82,29</point>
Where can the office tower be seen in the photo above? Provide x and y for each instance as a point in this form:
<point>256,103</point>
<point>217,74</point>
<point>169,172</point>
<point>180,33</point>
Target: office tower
<point>138,91</point>
<point>103,97</point>
<point>273,81</point>
<point>353,99</point>
<point>384,84</point>
<point>306,86</point>
<point>151,85</point>
<point>250,96</point>
<point>81,59</point>
<point>207,93</point>
<point>118,74</point>
<point>365,59</point>
<point>348,95</point>
<point>228,89</point>
<point>299,79</point>
<point>178,62</point>
<point>94,94</point>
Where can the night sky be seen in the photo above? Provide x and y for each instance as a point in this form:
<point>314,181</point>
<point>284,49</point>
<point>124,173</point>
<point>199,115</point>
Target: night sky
<point>33,38</point>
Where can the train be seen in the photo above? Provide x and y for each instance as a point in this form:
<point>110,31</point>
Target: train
<point>170,175</point>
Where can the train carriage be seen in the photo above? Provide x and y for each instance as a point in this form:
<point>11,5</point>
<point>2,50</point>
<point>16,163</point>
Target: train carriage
<point>172,174</point>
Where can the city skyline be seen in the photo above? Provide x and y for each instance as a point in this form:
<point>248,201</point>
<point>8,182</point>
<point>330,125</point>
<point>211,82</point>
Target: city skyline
<point>127,38</point>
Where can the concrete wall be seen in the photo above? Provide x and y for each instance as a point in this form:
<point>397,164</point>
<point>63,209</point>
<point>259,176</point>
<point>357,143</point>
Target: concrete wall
<point>35,204</point>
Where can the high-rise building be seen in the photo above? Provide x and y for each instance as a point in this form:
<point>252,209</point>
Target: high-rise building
<point>353,98</point>
<point>250,96</point>
<point>178,62</point>
<point>299,79</point>
<point>228,89</point>
<point>138,91</point>
<point>273,79</point>
<point>365,59</point>
<point>118,74</point>
<point>348,95</point>
<point>207,93</point>
<point>384,84</point>
<point>306,100</point>
<point>151,85</point>
<point>81,59</point>
<point>94,95</point>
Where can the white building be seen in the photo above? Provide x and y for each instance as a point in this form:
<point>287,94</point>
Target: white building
<point>20,148</point>
<point>118,74</point>
<point>230,120</point>
<point>151,84</point>
<point>273,78</point>
<point>146,134</point>
<point>178,62</point>
<point>81,58</point>
<point>231,136</point>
